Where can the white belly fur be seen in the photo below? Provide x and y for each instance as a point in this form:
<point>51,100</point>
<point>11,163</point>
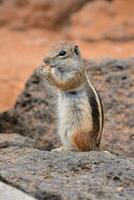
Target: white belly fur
<point>72,110</point>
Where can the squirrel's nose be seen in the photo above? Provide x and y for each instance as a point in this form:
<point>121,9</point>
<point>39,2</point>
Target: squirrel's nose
<point>46,61</point>
<point>49,62</point>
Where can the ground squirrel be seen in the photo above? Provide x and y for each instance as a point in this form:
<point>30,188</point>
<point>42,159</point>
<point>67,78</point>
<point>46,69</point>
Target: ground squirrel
<point>80,111</point>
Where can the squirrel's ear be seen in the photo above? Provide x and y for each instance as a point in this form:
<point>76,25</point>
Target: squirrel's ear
<point>76,50</point>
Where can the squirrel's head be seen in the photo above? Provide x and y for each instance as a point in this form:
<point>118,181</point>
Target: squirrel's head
<point>64,59</point>
<point>63,67</point>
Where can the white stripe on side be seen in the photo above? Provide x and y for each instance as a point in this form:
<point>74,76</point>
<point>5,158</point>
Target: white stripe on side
<point>99,106</point>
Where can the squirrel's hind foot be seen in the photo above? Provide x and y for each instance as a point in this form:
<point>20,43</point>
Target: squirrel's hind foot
<point>60,149</point>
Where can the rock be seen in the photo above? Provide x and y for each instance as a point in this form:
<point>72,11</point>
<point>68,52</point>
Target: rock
<point>113,79</point>
<point>34,111</point>
<point>103,20</point>
<point>33,115</point>
<point>9,193</point>
<point>82,20</point>
<point>7,140</point>
<point>24,14</point>
<point>53,14</point>
<point>68,175</point>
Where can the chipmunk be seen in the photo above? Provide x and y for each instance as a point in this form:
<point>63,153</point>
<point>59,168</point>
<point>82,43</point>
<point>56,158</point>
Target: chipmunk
<point>80,111</point>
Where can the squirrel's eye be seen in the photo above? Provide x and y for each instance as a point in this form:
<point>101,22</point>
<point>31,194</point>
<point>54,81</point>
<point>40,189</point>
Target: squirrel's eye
<point>76,50</point>
<point>62,53</point>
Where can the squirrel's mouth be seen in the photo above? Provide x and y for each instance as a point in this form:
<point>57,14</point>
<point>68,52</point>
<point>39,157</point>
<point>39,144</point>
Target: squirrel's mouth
<point>60,69</point>
<point>57,68</point>
<point>53,66</point>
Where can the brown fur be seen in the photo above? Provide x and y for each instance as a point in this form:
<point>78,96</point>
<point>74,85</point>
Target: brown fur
<point>70,84</point>
<point>83,141</point>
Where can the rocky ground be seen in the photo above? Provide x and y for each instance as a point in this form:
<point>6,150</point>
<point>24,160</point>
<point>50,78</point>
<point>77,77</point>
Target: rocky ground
<point>48,175</point>
<point>7,192</point>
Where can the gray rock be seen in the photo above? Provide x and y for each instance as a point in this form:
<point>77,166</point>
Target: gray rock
<point>7,140</point>
<point>9,193</point>
<point>68,175</point>
<point>33,115</point>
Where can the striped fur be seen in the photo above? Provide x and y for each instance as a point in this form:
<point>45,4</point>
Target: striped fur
<point>97,110</point>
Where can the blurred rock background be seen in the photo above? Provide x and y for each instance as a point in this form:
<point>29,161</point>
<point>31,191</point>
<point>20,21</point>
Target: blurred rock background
<point>102,28</point>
